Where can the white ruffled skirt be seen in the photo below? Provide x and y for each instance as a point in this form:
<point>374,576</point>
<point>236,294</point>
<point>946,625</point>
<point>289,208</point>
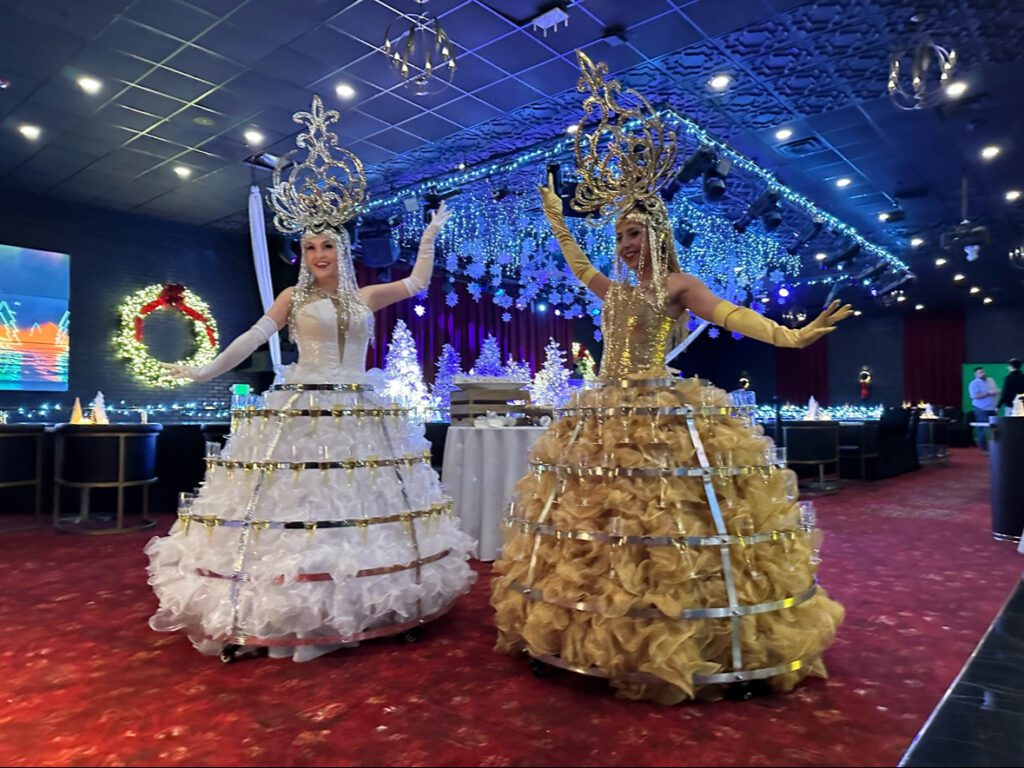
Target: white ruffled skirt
<point>322,523</point>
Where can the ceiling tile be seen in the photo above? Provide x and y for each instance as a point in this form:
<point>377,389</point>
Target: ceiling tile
<point>273,19</point>
<point>662,35</point>
<point>627,14</point>
<point>515,52</point>
<point>128,37</point>
<point>358,125</point>
<point>370,153</point>
<point>471,26</point>
<point>174,85</point>
<point>707,15</point>
<point>472,72</point>
<point>396,140</point>
<point>617,57</point>
<point>84,20</point>
<point>550,78</point>
<point>204,65</point>
<point>295,68</point>
<point>20,51</point>
<point>582,30</point>
<point>74,101</point>
<point>170,16</point>
<point>390,108</point>
<point>431,127</point>
<point>154,146</point>
<point>468,111</point>
<point>242,45</point>
<point>508,94</point>
<point>331,46</point>
<point>143,100</point>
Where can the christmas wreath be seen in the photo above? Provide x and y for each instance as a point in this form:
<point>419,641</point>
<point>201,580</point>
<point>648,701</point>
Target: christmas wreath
<point>130,335</point>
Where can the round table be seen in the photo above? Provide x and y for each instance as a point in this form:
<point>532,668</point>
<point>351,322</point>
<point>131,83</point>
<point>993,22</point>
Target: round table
<point>481,466</point>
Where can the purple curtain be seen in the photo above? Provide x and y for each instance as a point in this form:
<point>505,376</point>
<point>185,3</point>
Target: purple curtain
<point>934,351</point>
<point>464,326</point>
<point>801,373</point>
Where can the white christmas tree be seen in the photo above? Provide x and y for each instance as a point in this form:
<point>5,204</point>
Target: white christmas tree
<point>550,388</point>
<point>489,362</point>
<point>76,413</point>
<point>99,413</point>
<point>449,365</point>
<point>517,371</point>
<point>403,373</point>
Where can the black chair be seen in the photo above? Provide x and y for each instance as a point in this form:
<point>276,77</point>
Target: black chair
<point>21,467</point>
<point>892,431</point>
<point>858,450</point>
<point>812,451</point>
<point>437,434</point>
<point>908,453</point>
<point>104,457</point>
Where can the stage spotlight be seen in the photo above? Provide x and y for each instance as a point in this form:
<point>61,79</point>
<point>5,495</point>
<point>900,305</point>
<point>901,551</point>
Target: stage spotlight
<point>806,237</point>
<point>767,202</point>
<point>714,179</point>
<point>684,235</point>
<point>696,164</point>
<point>432,200</point>
<point>847,254</point>
<point>901,281</point>
<point>871,272</point>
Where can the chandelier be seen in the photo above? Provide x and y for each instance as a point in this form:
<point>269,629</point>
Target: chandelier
<point>420,51</point>
<point>930,66</point>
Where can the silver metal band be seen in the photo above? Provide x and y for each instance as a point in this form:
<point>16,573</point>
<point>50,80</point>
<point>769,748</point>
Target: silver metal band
<point>336,412</point>
<point>704,471</point>
<point>645,410</point>
<point>528,526</point>
<point>310,526</point>
<point>722,612</point>
<point>400,461</point>
<point>321,387</point>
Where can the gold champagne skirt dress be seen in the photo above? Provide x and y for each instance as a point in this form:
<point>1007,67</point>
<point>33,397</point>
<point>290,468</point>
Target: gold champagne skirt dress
<point>655,541</point>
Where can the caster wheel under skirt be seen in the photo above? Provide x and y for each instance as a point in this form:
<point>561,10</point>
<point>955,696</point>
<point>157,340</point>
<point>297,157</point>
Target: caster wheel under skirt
<point>542,670</point>
<point>413,635</point>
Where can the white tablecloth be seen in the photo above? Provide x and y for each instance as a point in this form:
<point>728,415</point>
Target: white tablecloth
<point>481,466</point>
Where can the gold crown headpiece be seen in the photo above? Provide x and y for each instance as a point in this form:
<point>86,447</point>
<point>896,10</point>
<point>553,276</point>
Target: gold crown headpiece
<point>327,188</point>
<point>628,156</point>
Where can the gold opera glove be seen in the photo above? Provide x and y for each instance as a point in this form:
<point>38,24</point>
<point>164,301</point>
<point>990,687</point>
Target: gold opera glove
<point>755,326</point>
<point>574,256</point>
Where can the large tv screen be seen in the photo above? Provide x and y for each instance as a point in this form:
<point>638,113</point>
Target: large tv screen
<point>34,287</point>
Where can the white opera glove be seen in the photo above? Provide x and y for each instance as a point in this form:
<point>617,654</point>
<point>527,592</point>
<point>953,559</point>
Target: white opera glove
<point>236,352</point>
<point>419,278</point>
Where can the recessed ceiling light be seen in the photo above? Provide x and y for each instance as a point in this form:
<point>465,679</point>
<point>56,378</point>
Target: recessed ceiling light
<point>719,82</point>
<point>919,307</point>
<point>252,136</point>
<point>883,216</point>
<point>461,166</point>
<point>820,256</point>
<point>857,313</point>
<point>940,262</point>
<point>991,151</point>
<point>1012,195</point>
<point>843,182</point>
<point>89,84</point>
<point>975,289</point>
<point>988,300</point>
<point>765,299</point>
<point>901,298</point>
<point>958,277</point>
<point>345,91</point>
<point>4,83</point>
<point>30,132</point>
<point>956,89</point>
<point>916,242</point>
<point>783,133</point>
<point>203,120</point>
<point>572,129</point>
<point>182,171</point>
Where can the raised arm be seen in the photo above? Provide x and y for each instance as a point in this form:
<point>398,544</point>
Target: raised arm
<point>578,262</point>
<point>696,297</point>
<point>243,346</point>
<point>386,294</point>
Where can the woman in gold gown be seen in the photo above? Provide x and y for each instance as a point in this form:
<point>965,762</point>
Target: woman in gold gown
<point>656,541</point>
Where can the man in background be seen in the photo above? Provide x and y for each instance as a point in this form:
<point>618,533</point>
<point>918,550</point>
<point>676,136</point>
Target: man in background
<point>1013,385</point>
<point>983,392</point>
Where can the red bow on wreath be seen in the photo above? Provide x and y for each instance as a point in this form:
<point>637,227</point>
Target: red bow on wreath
<point>865,385</point>
<point>172,295</point>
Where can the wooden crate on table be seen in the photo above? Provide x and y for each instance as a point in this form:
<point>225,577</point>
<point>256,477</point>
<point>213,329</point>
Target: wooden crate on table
<point>471,400</point>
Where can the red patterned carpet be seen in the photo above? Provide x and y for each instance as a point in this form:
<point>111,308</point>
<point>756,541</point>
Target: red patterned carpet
<point>87,683</point>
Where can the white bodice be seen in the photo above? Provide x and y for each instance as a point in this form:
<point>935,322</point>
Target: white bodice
<point>329,353</point>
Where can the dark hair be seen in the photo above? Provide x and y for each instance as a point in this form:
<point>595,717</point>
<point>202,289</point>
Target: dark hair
<point>979,368</point>
<point>1015,363</point>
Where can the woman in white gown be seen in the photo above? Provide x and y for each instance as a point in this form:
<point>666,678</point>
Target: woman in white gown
<point>322,522</point>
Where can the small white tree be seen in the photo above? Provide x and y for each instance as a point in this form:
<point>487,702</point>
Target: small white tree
<point>449,365</point>
<point>403,372</point>
<point>489,362</point>
<point>98,415</point>
<point>517,371</point>
<point>550,386</point>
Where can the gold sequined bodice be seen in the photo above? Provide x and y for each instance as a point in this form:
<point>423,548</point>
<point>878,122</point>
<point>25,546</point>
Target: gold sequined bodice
<point>635,333</point>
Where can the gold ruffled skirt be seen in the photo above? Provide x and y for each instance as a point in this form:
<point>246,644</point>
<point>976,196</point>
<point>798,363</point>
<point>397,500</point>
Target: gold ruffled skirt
<point>656,543</point>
